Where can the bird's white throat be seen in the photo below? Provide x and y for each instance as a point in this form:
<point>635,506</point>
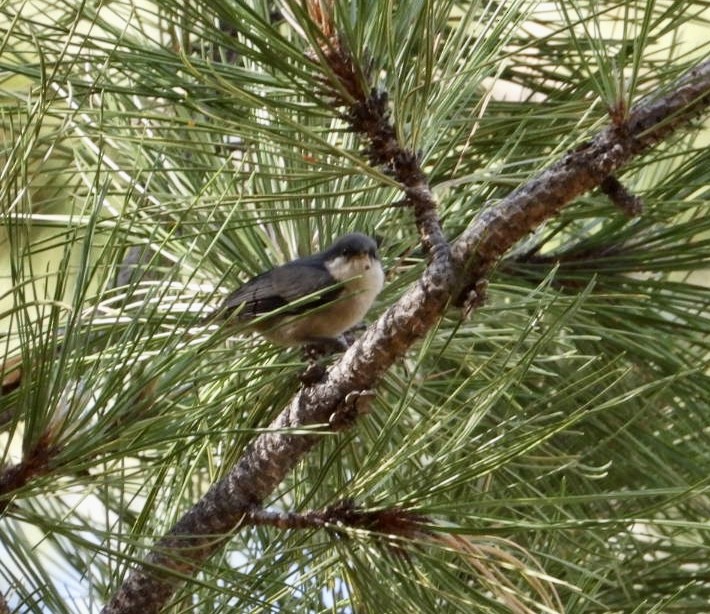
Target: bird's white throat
<point>364,279</point>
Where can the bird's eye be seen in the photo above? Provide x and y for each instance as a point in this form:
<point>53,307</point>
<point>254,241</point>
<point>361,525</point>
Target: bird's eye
<point>347,252</point>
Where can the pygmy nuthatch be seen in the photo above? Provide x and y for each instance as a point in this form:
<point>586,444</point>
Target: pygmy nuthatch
<point>342,283</point>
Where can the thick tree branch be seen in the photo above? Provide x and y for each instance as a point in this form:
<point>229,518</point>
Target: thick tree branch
<point>499,226</point>
<point>265,463</point>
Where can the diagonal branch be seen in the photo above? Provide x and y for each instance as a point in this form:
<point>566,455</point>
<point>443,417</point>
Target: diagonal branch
<point>498,227</point>
<point>223,510</point>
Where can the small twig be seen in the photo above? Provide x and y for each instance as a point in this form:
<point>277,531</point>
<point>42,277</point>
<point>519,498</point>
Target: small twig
<point>345,515</point>
<point>625,200</point>
<point>11,372</point>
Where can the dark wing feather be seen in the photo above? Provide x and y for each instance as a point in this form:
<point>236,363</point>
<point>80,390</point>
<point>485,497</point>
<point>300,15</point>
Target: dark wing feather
<point>279,287</point>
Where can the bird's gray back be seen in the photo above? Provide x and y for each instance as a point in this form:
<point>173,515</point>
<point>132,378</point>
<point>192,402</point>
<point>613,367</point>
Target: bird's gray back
<point>281,286</point>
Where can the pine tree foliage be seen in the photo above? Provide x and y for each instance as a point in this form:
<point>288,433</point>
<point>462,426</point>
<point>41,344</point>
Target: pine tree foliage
<point>549,453</point>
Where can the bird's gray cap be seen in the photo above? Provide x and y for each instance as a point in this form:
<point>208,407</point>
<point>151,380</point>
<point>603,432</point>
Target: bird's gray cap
<point>353,244</point>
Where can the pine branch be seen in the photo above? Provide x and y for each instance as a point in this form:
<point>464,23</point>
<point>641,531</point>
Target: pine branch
<point>498,227</point>
<point>223,510</point>
<point>345,514</point>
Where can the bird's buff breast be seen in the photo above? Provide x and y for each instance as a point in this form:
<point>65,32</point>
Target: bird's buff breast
<point>333,319</point>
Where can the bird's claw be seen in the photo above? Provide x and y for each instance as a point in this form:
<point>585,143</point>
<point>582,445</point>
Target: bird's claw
<point>318,348</point>
<point>356,404</point>
<point>476,297</point>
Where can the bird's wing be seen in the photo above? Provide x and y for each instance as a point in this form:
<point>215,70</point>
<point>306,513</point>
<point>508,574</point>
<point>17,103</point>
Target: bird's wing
<point>279,287</point>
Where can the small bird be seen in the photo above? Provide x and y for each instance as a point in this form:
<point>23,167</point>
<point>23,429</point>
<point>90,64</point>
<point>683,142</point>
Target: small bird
<point>342,281</point>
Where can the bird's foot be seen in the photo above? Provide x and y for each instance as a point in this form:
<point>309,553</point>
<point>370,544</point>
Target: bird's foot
<point>317,348</point>
<point>356,404</point>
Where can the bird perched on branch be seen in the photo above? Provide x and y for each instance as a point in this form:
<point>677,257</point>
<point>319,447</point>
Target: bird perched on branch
<point>315,299</point>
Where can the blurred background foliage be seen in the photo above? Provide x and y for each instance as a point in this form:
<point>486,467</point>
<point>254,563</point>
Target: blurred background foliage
<point>153,155</point>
